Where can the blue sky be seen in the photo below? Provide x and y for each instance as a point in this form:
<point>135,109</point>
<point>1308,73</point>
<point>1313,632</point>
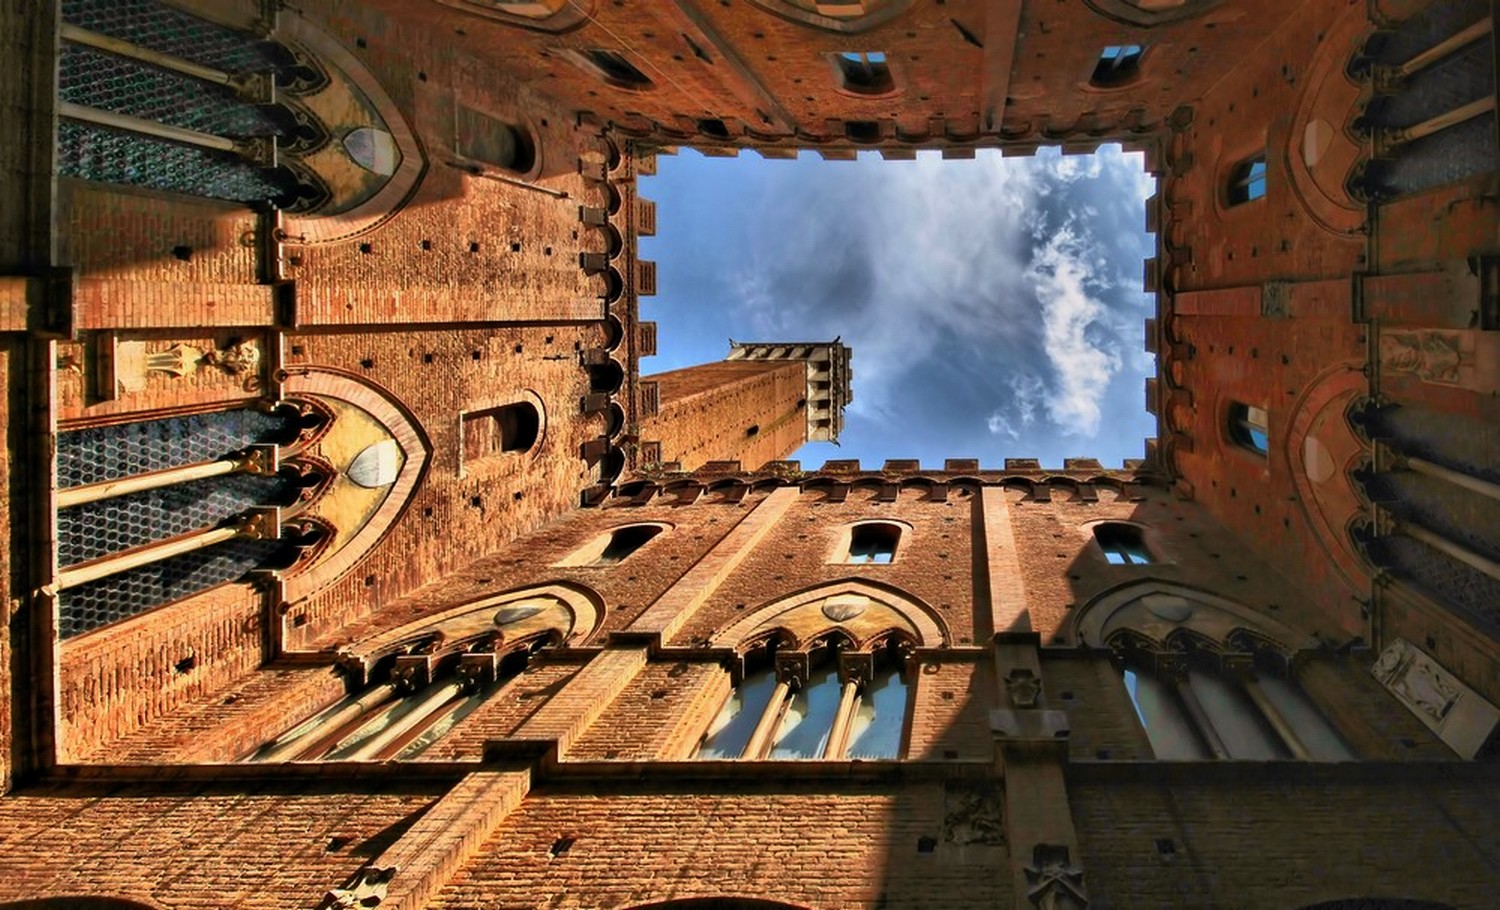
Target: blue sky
<point>994,305</point>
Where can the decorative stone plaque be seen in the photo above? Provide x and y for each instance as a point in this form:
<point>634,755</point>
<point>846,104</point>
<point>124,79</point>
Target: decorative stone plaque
<point>1457,714</point>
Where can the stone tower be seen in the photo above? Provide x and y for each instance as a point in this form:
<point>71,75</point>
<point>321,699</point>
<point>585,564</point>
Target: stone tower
<point>759,404</point>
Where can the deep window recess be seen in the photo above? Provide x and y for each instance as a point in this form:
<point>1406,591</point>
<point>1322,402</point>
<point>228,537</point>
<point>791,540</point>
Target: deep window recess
<point>865,72</point>
<point>835,713</point>
<point>1248,428</point>
<point>875,542</point>
<point>481,137</point>
<point>1118,65</point>
<point>625,541</point>
<point>1247,182</point>
<point>512,428</point>
<point>1206,714</point>
<point>1123,544</point>
<point>616,70</point>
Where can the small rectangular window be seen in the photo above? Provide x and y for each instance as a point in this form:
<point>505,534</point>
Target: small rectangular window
<point>1248,181</point>
<point>1248,428</point>
<point>873,543</point>
<point>1123,544</point>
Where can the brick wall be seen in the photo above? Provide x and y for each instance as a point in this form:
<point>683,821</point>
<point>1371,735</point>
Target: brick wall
<point>707,413</point>
<point>844,845</point>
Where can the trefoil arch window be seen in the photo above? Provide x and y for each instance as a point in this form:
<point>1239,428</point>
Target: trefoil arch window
<point>419,702</point>
<point>822,703</point>
<point>1123,544</point>
<point>1200,701</point>
<point>1248,428</point>
<point>1118,65</point>
<point>1247,181</point>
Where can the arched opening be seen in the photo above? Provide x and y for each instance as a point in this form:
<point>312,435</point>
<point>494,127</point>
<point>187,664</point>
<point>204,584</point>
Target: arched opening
<point>625,541</point>
<point>873,542</point>
<point>1247,427</point>
<point>1123,544</point>
<point>512,428</point>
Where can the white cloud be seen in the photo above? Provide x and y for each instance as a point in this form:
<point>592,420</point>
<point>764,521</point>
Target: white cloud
<point>1083,367</point>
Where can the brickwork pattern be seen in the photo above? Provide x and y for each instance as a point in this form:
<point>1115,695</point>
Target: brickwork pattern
<point>950,710</point>
<point>115,679</point>
<point>504,713</point>
<point>836,847</point>
<point>1315,840</point>
<point>197,845</point>
<point>707,413</point>
<point>660,714</point>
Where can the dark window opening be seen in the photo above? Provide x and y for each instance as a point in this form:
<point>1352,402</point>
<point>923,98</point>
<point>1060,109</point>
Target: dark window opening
<point>862,131</point>
<point>513,428</point>
<point>865,72</point>
<point>483,138</point>
<point>874,543</point>
<point>625,541</point>
<point>616,70</point>
<point>1119,64</point>
<point>1248,428</point>
<point>1123,544</point>
<point>753,430</point>
<point>713,128</point>
<point>1247,182</point>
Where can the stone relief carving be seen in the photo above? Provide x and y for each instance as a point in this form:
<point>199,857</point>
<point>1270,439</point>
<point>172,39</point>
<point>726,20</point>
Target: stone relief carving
<point>1461,717</point>
<point>1056,884</point>
<point>973,815</point>
<point>132,363</point>
<point>1415,679</point>
<point>1433,355</point>
<point>1023,687</point>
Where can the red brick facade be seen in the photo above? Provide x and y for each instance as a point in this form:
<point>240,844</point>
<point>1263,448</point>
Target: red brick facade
<point>597,608</point>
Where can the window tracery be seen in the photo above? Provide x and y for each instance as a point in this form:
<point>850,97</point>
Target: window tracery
<point>828,700</point>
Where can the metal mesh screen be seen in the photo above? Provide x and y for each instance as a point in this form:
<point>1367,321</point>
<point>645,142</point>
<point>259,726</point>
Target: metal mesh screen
<point>121,596</point>
<point>97,529</point>
<point>1469,591</point>
<point>98,153</point>
<point>99,80</point>
<point>110,452</point>
<point>171,31</point>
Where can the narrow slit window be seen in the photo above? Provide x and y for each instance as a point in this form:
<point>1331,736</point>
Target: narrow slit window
<point>1123,544</point>
<point>1247,182</point>
<point>874,543</point>
<point>1118,65</point>
<point>1248,428</point>
<point>616,70</point>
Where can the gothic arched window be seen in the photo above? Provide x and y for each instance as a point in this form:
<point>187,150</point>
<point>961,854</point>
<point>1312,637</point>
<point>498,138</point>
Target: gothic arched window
<point>821,703</point>
<point>1198,701</point>
<point>153,511</point>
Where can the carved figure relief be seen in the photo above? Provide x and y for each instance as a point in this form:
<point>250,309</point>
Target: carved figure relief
<point>1415,679</point>
<point>1433,355</point>
<point>1056,884</point>
<point>1023,687</point>
<point>133,363</point>
<point>1461,717</point>
<point>973,815</point>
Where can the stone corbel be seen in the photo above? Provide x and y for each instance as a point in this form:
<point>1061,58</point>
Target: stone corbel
<point>792,668</point>
<point>857,667</point>
<point>413,671</point>
<point>1054,882</point>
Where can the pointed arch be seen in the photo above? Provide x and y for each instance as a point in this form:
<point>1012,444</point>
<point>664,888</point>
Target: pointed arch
<point>1155,609</point>
<point>385,473</point>
<point>874,610</point>
<point>567,609</point>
